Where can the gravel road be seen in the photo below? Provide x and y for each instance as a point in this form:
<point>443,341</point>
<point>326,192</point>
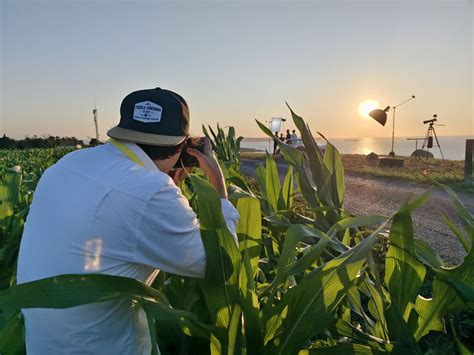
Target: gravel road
<point>374,195</point>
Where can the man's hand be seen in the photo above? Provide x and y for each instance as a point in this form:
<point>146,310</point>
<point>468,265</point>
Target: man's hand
<point>209,165</point>
<point>179,174</point>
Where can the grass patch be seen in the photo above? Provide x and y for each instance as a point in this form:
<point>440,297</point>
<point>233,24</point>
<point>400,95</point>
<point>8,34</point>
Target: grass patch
<point>449,172</point>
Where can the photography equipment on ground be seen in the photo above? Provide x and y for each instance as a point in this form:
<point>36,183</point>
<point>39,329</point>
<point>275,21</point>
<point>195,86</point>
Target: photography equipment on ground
<point>417,152</point>
<point>187,160</point>
<point>381,117</point>
<point>430,133</point>
<point>276,124</point>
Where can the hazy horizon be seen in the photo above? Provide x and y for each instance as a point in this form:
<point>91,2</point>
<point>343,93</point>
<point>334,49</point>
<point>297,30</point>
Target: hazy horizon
<point>237,61</point>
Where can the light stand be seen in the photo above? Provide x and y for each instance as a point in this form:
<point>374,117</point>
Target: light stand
<point>392,153</point>
<point>381,117</point>
<point>275,125</point>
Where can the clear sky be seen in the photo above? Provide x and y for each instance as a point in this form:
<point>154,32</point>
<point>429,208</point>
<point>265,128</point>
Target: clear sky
<point>237,61</point>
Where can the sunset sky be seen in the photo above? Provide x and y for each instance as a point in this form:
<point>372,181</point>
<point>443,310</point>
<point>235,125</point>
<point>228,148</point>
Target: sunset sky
<point>237,61</point>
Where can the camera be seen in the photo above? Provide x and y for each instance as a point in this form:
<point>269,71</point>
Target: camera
<point>434,119</point>
<point>186,160</point>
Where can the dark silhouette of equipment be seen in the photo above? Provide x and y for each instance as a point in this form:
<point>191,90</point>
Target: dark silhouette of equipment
<point>381,117</point>
<point>430,134</point>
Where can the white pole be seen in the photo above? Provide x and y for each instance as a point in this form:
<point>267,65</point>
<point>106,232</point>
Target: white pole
<point>94,111</point>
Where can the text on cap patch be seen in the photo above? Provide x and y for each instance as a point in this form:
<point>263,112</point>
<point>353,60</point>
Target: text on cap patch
<point>147,112</point>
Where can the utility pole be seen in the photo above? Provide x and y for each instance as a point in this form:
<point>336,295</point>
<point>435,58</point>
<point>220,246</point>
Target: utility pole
<point>94,111</point>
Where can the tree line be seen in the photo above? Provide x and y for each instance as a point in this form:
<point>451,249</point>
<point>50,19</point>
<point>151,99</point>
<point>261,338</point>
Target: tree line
<point>41,142</point>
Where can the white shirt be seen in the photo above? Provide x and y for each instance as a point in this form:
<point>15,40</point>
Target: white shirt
<point>96,211</point>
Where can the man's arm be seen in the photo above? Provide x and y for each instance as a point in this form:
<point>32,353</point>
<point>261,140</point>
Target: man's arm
<point>169,237</point>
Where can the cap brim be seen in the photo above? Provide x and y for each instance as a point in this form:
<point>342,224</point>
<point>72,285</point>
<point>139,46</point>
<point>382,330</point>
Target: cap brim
<point>143,138</point>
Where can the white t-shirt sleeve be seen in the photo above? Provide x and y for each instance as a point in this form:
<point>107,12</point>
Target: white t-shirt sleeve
<point>169,238</point>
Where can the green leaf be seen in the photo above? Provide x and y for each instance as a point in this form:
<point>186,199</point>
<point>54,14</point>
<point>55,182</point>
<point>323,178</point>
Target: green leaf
<point>316,296</point>
<point>333,162</point>
<point>233,331</point>
<point>12,336</point>
<point>295,234</point>
<point>285,200</point>
<point>463,213</point>
<point>404,274</point>
<point>351,222</point>
<point>220,286</point>
<point>272,182</point>
<point>249,230</point>
<point>452,288</point>
<point>462,349</point>
<point>464,241</point>
<point>446,298</point>
<point>427,254</point>
<point>253,331</point>
<point>342,348</point>
<point>400,334</point>
<point>9,192</point>
<point>66,291</point>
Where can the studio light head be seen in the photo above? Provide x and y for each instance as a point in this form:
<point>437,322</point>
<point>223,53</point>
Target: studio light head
<point>380,115</point>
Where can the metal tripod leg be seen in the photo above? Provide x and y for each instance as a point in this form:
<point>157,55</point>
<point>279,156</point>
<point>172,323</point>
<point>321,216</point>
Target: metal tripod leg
<point>425,142</point>
<point>437,142</point>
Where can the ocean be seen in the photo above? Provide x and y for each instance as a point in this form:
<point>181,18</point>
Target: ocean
<point>453,147</point>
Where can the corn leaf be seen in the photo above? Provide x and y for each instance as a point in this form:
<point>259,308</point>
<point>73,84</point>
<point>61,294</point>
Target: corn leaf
<point>66,291</point>
<point>316,296</point>
<point>249,230</point>
<point>333,162</point>
<point>446,299</point>
<point>285,200</point>
<point>220,285</point>
<point>9,193</point>
<point>404,273</point>
<point>272,182</point>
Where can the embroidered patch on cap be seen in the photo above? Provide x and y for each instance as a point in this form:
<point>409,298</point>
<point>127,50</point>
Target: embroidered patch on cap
<point>147,112</point>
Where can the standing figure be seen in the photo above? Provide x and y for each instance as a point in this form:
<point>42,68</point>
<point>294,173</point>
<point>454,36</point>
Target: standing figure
<point>288,137</point>
<point>294,135</point>
<point>275,143</point>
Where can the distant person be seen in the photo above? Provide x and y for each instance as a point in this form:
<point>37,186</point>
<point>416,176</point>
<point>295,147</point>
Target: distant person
<point>275,143</point>
<point>288,137</point>
<point>282,137</point>
<point>294,135</point>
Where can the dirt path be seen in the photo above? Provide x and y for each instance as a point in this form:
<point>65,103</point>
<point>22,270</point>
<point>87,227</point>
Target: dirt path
<point>374,195</point>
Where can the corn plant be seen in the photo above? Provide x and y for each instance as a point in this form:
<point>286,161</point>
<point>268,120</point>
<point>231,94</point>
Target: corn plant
<point>225,146</point>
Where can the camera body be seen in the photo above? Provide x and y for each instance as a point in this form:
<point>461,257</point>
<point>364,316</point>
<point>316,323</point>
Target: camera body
<point>434,119</point>
<point>186,160</point>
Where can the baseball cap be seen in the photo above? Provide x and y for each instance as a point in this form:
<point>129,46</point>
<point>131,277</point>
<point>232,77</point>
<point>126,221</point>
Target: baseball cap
<point>152,116</point>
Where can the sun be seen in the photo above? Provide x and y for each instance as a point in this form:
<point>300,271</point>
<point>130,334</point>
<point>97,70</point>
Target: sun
<point>367,106</point>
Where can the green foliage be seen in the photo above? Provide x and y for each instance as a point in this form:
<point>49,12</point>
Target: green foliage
<point>290,284</point>
<point>225,146</point>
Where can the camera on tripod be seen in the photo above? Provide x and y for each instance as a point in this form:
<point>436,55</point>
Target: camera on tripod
<point>433,120</point>
<point>430,134</point>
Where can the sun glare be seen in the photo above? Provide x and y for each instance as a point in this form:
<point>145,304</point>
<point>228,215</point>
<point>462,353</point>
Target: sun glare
<point>367,106</point>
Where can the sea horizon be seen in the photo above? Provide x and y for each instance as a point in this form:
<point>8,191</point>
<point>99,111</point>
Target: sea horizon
<point>453,147</point>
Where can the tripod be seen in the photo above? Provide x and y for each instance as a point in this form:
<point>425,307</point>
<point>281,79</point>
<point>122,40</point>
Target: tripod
<point>428,141</point>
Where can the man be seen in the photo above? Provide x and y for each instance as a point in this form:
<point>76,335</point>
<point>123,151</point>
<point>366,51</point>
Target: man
<point>114,209</point>
<point>288,137</point>
<point>275,144</point>
<point>294,136</point>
